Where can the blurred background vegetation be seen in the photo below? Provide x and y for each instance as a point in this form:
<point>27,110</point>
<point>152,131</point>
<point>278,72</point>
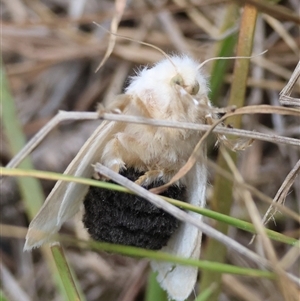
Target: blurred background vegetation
<point>50,51</point>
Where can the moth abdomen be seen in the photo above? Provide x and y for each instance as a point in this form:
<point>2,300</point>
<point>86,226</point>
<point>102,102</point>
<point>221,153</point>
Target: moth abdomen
<point>127,219</point>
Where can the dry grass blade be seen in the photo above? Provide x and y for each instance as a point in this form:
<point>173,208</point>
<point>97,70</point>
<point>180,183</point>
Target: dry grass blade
<point>253,212</point>
<point>11,286</point>
<point>288,290</point>
<point>36,139</point>
<point>283,33</point>
<point>64,116</point>
<point>273,67</point>
<point>262,109</point>
<point>282,193</point>
<point>291,257</point>
<point>72,116</point>
<point>277,11</point>
<point>120,6</point>
<point>225,174</point>
<point>240,289</point>
<point>285,98</point>
<point>203,127</point>
<point>201,20</point>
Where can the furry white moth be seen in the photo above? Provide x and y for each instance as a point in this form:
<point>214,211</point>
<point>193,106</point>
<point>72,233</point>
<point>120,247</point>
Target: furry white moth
<point>174,89</point>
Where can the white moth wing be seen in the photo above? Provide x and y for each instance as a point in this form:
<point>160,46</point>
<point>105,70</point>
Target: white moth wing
<point>179,280</point>
<point>75,192</point>
<point>65,198</point>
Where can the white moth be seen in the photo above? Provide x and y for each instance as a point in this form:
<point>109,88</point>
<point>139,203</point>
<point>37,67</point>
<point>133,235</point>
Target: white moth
<point>174,89</point>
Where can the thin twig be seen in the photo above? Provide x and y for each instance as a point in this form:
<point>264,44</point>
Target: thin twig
<point>73,116</point>
<point>285,98</point>
<point>261,109</point>
<point>203,127</point>
<point>36,139</point>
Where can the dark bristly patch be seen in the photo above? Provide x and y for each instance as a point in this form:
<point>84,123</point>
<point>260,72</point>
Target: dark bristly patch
<point>127,219</point>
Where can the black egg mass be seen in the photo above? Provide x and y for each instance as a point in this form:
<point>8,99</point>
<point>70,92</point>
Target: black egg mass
<point>127,219</point>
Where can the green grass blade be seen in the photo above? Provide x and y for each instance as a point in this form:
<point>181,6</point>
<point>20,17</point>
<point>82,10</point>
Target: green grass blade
<point>222,197</point>
<point>2,296</point>
<point>30,188</point>
<point>65,273</point>
<point>162,256</point>
<point>229,220</point>
<point>154,290</point>
<point>224,48</point>
<point>206,294</point>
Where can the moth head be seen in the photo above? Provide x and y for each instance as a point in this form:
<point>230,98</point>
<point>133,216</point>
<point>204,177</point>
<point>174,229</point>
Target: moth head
<point>187,75</point>
<point>192,89</point>
<point>159,85</point>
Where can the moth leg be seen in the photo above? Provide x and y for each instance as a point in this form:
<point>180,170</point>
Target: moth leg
<point>233,144</point>
<point>101,110</point>
<point>116,107</point>
<point>127,103</point>
<point>149,177</point>
<point>43,132</point>
<point>112,157</point>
